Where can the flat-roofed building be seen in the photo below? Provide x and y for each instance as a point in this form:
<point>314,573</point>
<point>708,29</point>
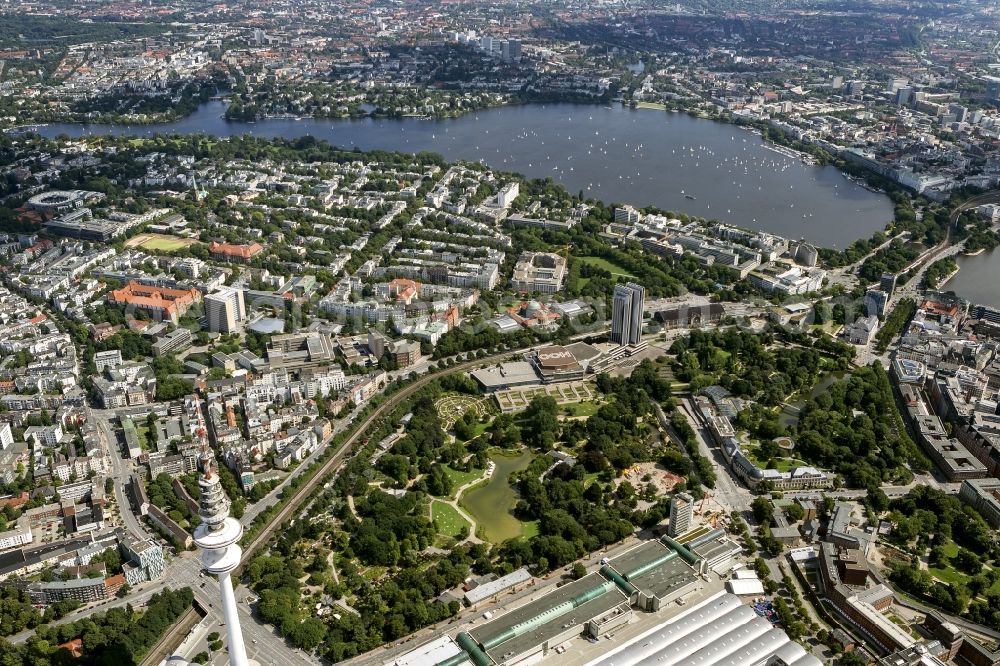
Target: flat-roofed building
<point>110,358</point>
<point>557,364</point>
<point>83,227</point>
<point>690,316</point>
<point>626,313</point>
<point>657,574</point>
<point>145,558</point>
<point>83,590</point>
<point>534,629</point>
<point>297,350</point>
<point>18,535</point>
<point>718,551</point>
<point>225,310</point>
<point>507,376</point>
<point>681,514</point>
<point>509,583</point>
<point>543,272</point>
<point>173,342</point>
<point>432,653</point>
<point>984,496</point>
<point>405,353</point>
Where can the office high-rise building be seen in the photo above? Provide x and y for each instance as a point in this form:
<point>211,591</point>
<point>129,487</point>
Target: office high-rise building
<point>626,314</point>
<point>681,514</point>
<point>225,310</point>
<point>887,283</point>
<point>993,88</point>
<point>875,302</point>
<point>960,112</point>
<point>511,50</point>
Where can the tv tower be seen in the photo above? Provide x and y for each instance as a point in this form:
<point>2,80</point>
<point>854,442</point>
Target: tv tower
<point>217,536</point>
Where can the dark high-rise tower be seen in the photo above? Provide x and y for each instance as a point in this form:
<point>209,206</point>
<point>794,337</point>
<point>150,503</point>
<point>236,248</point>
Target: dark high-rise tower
<point>626,314</point>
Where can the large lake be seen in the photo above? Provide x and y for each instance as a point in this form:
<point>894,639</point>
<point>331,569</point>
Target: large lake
<point>642,157</point>
<point>977,280</point>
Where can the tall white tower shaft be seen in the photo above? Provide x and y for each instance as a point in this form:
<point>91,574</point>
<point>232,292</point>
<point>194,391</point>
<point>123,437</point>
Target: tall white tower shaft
<point>217,536</point>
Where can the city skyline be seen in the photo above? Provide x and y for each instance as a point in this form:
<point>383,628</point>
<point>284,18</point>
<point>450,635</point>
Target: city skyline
<point>572,333</point>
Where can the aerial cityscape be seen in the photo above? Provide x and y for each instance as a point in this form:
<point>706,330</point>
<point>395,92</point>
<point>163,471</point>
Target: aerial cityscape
<point>571,332</point>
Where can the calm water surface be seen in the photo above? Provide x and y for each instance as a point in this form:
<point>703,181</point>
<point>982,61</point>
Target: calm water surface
<point>491,504</point>
<point>978,279</point>
<point>642,157</point>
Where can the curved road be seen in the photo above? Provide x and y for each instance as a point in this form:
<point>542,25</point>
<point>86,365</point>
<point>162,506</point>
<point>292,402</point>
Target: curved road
<point>945,247</point>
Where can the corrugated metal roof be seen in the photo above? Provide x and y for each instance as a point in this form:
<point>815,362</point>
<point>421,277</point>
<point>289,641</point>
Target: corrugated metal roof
<point>721,631</point>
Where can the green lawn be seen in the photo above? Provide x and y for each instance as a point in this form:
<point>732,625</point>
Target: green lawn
<point>478,429</point>
<point>781,464</point>
<point>953,575</point>
<point>448,520</point>
<point>948,575</point>
<point>651,105</point>
<point>143,433</point>
<point>585,408</point>
<point>530,529</point>
<point>600,262</point>
<point>459,479</point>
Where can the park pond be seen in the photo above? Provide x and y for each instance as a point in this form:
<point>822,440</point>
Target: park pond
<point>491,504</point>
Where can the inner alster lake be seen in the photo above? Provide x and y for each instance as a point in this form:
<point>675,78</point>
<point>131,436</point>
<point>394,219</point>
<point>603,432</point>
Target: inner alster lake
<point>643,157</point>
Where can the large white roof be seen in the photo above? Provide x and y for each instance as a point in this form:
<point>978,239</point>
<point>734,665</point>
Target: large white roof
<point>721,631</point>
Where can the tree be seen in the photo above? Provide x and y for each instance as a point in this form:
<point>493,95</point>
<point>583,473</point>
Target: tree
<point>763,511</point>
<point>850,659</point>
<point>794,512</point>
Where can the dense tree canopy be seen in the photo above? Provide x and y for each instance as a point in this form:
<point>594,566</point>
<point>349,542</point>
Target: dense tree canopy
<point>118,636</point>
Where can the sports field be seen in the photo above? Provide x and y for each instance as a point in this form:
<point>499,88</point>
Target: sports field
<point>159,242</point>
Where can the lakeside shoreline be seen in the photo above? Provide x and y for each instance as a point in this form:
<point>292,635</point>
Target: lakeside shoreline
<point>948,277</point>
<point>612,154</point>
